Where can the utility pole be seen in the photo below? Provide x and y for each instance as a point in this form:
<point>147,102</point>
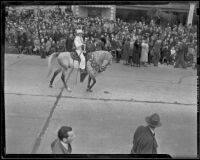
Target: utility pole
<point>38,28</point>
<point>191,13</point>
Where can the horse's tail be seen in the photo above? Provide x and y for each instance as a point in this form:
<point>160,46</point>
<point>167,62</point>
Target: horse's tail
<point>50,61</point>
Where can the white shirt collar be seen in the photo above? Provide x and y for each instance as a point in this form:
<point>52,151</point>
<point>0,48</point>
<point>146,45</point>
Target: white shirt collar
<point>64,144</point>
<point>151,130</point>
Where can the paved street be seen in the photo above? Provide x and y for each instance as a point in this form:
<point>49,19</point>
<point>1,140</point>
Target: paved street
<point>104,122</point>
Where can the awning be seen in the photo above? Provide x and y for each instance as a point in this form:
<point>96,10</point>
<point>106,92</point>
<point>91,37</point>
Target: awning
<point>97,6</point>
<point>167,7</point>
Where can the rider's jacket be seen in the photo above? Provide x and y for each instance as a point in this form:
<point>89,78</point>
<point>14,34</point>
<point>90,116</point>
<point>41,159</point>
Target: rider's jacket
<point>78,41</point>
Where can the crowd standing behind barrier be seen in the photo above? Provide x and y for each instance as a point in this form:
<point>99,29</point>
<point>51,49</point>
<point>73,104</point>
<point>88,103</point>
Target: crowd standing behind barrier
<point>136,43</point>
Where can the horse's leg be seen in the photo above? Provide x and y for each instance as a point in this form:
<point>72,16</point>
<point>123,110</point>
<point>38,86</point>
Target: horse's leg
<point>94,81</point>
<point>68,89</point>
<point>63,79</point>
<point>54,76</point>
<point>89,80</point>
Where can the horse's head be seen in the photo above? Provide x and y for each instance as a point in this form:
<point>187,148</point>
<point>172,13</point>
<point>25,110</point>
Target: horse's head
<point>107,60</point>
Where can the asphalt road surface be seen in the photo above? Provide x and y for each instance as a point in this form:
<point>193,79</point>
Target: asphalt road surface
<point>104,121</point>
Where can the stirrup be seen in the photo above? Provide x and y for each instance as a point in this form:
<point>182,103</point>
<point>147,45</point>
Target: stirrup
<point>82,70</point>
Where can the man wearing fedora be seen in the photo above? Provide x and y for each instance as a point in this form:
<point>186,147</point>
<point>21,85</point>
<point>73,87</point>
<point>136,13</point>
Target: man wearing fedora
<point>79,44</point>
<point>144,141</point>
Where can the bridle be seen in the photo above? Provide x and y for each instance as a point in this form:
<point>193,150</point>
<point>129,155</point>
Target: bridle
<point>103,67</point>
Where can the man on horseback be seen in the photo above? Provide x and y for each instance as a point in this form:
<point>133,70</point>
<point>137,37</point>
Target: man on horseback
<point>80,48</point>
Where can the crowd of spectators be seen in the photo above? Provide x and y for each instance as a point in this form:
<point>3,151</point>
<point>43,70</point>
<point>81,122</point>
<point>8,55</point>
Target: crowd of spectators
<point>137,43</point>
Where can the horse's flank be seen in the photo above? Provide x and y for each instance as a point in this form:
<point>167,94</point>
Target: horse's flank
<point>50,62</point>
<point>63,58</point>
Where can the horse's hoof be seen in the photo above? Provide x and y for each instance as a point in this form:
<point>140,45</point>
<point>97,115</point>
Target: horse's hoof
<point>89,90</point>
<point>50,86</point>
<point>69,90</point>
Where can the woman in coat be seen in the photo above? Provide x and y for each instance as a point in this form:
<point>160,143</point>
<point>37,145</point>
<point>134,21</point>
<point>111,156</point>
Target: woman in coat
<point>114,46</point>
<point>144,53</point>
<point>132,41</point>
<point>136,53</point>
<point>156,52</point>
<point>48,47</point>
<point>37,45</point>
<point>108,43</point>
<point>126,51</point>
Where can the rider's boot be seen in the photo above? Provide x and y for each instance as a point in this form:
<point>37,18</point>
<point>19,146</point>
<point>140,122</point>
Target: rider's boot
<point>83,74</point>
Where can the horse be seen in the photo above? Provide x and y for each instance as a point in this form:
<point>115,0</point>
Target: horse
<point>96,62</point>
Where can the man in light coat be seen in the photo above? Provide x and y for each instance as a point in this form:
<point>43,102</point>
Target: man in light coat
<point>80,48</point>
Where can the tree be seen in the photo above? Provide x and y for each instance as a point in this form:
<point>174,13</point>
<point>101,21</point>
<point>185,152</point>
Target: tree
<point>161,17</point>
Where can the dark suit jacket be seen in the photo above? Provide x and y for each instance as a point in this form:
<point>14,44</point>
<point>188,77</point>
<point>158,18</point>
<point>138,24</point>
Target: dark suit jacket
<point>58,148</point>
<point>144,141</point>
<point>69,44</point>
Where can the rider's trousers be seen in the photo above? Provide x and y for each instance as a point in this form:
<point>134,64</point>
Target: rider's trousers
<point>82,57</point>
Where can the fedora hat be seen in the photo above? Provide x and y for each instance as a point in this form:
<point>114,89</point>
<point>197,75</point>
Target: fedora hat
<point>153,120</point>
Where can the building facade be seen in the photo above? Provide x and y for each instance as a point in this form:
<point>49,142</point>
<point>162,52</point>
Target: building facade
<point>112,12</point>
<point>104,11</point>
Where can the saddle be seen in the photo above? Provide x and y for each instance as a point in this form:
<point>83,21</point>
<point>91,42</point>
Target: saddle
<point>75,56</point>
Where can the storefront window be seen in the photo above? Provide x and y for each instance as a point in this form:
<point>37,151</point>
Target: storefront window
<point>94,12</point>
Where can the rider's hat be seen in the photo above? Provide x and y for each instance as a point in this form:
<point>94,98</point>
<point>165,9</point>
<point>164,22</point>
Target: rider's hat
<point>79,31</point>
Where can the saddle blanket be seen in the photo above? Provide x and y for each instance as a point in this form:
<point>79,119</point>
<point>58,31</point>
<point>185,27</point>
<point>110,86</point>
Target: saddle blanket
<point>75,56</point>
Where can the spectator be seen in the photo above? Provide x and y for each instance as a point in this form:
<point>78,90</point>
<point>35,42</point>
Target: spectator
<point>99,44</point>
<point>18,41</point>
<point>108,43</point>
<point>118,50</point>
<point>53,46</point>
<point>144,141</point>
<point>69,43</point>
<point>90,46</point>
<point>156,52</point>
<point>103,39</point>
<point>55,24</point>
<point>48,46</point>
<point>43,49</point>
<point>151,45</point>
<point>126,49</point>
<point>136,53</point>
<point>144,53</point>
<point>114,47</point>
<point>166,54</point>
<point>36,45</point>
<point>61,45</point>
<point>195,58</point>
<point>62,144</point>
<point>180,56</point>
<point>132,41</point>
<point>30,45</point>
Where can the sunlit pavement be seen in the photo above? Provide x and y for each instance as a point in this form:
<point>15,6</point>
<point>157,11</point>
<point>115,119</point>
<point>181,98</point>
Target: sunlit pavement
<point>104,121</point>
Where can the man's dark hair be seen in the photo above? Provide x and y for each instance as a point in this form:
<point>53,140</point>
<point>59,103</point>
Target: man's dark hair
<point>63,132</point>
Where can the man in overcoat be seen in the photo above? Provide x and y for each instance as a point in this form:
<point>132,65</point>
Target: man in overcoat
<point>144,141</point>
<point>69,43</point>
